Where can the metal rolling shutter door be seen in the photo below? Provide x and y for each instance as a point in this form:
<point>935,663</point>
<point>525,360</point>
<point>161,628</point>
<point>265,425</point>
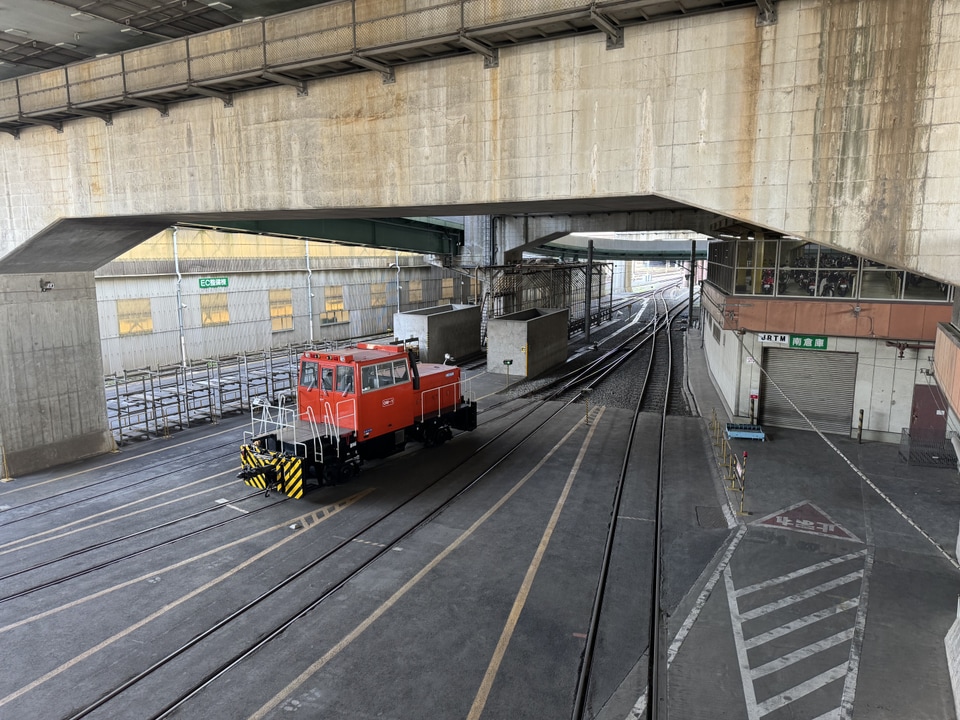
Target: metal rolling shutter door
<point>821,384</point>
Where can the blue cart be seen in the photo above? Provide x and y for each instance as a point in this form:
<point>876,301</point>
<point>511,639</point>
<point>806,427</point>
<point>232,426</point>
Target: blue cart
<point>747,432</point>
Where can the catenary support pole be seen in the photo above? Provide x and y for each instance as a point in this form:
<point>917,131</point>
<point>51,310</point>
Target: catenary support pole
<point>588,290</point>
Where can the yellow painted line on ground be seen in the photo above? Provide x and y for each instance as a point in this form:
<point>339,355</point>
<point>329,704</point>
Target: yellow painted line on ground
<point>317,516</point>
<point>115,462</point>
<point>407,586</point>
<point>23,542</point>
<point>486,685</point>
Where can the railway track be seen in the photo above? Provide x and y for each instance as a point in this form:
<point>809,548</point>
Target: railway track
<point>403,514</point>
<point>97,490</point>
<point>655,366</point>
<point>329,567</point>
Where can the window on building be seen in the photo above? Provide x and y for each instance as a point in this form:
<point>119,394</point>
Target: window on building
<point>334,311</point>
<point>378,295</point>
<point>446,291</point>
<point>415,291</point>
<point>213,309</point>
<point>281,310</point>
<point>134,316</point>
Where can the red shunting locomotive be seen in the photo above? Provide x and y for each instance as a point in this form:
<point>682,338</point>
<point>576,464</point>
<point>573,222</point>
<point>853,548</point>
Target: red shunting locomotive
<point>352,404</point>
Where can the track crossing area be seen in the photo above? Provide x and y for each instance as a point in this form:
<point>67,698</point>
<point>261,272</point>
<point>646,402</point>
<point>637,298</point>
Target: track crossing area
<point>151,584</point>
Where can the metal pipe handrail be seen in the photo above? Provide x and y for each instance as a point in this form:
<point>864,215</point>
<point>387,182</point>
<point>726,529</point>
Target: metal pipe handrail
<point>185,64</point>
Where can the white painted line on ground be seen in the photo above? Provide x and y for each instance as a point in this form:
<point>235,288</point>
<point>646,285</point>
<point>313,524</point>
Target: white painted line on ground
<point>873,486</point>
<point>800,573</point>
<point>801,623</point>
<point>640,709</point>
<point>801,596</point>
<point>804,688</point>
<point>224,501</point>
<point>704,596</point>
<point>117,462</point>
<point>486,684</point>
<point>85,524</point>
<point>804,652</point>
<point>749,696</point>
<point>850,684</point>
<point>345,642</point>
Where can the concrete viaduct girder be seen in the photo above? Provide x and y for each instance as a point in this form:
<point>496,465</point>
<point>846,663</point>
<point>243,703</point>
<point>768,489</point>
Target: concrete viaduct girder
<point>836,124</point>
<point>85,244</point>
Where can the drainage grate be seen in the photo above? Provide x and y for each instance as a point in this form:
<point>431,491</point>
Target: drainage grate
<point>710,517</point>
<point>927,451</point>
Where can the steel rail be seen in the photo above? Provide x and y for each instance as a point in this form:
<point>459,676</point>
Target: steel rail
<point>586,665</point>
<point>280,627</point>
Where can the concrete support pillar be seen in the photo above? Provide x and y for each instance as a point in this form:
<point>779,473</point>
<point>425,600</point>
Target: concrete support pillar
<point>52,404</point>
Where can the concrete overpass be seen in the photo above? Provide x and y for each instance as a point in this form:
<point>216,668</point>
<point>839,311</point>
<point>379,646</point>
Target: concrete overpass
<point>830,120</point>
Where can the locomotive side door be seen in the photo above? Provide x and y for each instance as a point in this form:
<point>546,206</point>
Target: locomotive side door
<point>344,397</point>
<point>386,397</point>
<point>308,389</point>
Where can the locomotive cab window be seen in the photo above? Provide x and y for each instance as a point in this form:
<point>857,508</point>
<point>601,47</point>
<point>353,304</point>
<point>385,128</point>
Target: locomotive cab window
<point>326,378</point>
<point>345,378</point>
<point>308,375</point>
<point>385,374</point>
<point>400,374</point>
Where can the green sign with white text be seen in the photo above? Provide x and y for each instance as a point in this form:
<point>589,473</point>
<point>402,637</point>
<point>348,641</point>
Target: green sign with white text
<point>808,342</point>
<point>208,283</point>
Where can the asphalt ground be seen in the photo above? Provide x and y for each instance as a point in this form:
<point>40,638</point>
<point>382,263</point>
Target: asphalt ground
<point>481,611</point>
<point>828,601</point>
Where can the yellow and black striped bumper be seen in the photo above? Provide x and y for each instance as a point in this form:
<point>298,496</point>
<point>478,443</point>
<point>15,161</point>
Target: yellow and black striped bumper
<point>283,473</point>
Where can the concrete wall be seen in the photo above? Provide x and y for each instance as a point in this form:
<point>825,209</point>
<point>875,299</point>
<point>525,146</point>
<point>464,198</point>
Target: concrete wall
<point>535,340</point>
<point>445,329</point>
<point>724,358</point>
<point>819,125</point>
<point>53,408</point>
<point>884,384</point>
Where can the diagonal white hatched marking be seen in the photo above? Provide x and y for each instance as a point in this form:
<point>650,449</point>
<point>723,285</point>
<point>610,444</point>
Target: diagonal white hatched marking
<point>850,684</point>
<point>804,688</point>
<point>801,596</point>
<point>749,694</point>
<point>800,573</point>
<point>804,652</point>
<point>801,622</point>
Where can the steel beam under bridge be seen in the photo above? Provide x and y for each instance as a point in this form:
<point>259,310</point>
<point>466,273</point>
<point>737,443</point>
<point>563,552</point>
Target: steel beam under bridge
<point>427,236</point>
<point>574,247</point>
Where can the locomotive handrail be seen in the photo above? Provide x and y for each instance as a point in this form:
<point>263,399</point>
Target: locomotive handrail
<point>329,422</point>
<point>272,418</point>
<point>351,413</point>
<point>317,446</point>
<point>460,396</point>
